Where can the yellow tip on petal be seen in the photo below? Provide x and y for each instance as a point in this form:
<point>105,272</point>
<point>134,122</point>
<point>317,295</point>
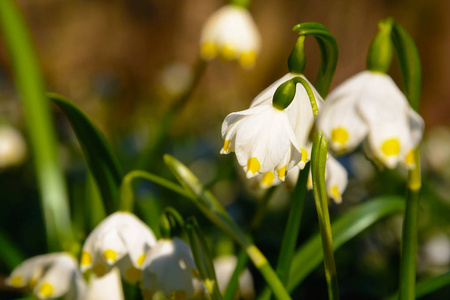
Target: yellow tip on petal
<point>309,183</point>
<point>335,194</point>
<point>247,59</point>
<point>391,147</point>
<point>409,158</point>
<point>226,147</point>
<point>339,136</point>
<point>146,294</point>
<point>208,50</point>
<point>141,259</point>
<point>110,255</point>
<point>45,290</point>
<point>16,281</point>
<point>179,295</point>
<point>86,259</point>
<point>282,172</point>
<point>304,155</point>
<point>132,274</point>
<point>253,166</point>
<point>228,51</point>
<point>267,178</point>
<point>99,270</point>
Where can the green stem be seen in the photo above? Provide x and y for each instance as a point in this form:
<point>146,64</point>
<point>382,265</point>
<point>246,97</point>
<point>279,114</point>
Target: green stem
<point>149,155</point>
<point>233,284</point>
<point>408,260</point>
<point>319,158</point>
<point>126,189</point>
<point>30,85</point>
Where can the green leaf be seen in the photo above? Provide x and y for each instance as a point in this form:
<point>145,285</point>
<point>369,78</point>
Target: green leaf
<point>101,161</point>
<point>409,59</point>
<point>429,285</point>
<point>203,258</point>
<point>31,88</point>
<point>345,228</point>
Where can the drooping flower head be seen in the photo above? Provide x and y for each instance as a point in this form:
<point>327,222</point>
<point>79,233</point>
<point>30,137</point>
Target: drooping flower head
<point>370,106</point>
<point>51,276</point>
<point>169,267</point>
<point>232,33</point>
<point>122,240</point>
<point>269,140</point>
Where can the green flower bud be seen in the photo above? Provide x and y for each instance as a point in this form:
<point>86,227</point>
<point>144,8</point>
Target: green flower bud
<point>380,51</point>
<point>284,95</point>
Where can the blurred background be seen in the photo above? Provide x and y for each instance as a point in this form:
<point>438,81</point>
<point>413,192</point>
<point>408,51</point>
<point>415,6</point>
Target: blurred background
<point>123,62</point>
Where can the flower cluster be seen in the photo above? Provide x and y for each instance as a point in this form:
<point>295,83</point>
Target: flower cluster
<point>120,242</point>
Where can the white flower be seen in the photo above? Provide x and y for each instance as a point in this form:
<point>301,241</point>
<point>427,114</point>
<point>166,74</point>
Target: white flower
<point>370,104</point>
<point>51,276</point>
<point>121,239</point>
<point>13,149</point>
<point>108,287</point>
<point>224,267</point>
<point>267,140</point>
<point>231,32</point>
<point>169,267</point>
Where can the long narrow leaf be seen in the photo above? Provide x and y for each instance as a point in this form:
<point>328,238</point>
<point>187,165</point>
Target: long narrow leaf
<point>345,228</point>
<point>100,158</point>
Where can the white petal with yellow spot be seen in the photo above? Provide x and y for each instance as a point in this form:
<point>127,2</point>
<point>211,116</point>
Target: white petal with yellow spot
<point>169,267</point>
<point>263,140</point>
<point>231,33</point>
<point>371,105</point>
<point>122,240</point>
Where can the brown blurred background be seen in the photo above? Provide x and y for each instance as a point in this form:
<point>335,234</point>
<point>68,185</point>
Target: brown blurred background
<point>113,57</point>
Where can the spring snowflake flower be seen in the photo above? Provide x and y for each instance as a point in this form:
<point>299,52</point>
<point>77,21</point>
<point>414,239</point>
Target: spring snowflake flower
<point>267,140</point>
<point>51,276</point>
<point>370,105</point>
<point>231,32</point>
<point>169,267</point>
<point>120,240</point>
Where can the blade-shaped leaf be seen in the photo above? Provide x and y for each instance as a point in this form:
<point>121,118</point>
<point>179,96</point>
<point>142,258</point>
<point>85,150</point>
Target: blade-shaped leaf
<point>345,228</point>
<point>100,158</point>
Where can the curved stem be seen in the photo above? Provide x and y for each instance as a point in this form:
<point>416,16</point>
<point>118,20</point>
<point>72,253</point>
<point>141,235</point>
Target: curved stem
<point>126,189</point>
<point>319,157</point>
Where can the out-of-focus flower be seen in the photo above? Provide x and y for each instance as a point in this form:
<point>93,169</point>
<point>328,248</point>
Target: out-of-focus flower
<point>51,276</point>
<point>169,267</point>
<point>108,287</point>
<point>13,149</point>
<point>267,140</point>
<point>224,266</point>
<point>232,33</point>
<point>121,239</point>
<point>370,104</point>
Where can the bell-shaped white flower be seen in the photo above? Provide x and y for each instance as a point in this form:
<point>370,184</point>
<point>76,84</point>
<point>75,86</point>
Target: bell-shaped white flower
<point>51,276</point>
<point>121,239</point>
<point>169,267</point>
<point>371,105</point>
<point>224,266</point>
<point>232,33</point>
<point>13,149</point>
<point>270,141</point>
